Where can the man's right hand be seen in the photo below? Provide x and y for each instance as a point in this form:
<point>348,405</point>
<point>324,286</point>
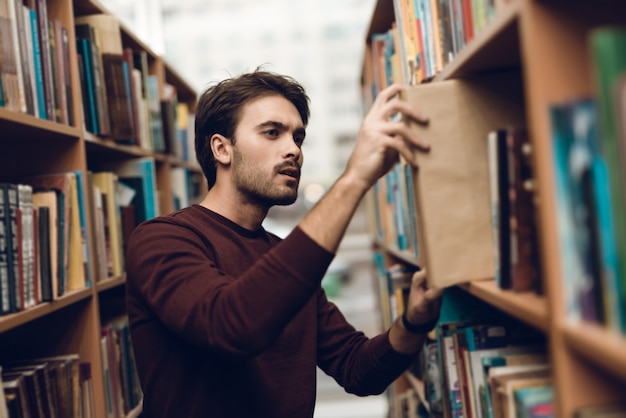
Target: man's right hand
<point>383,137</point>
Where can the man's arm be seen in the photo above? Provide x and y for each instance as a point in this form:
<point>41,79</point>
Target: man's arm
<point>379,144</point>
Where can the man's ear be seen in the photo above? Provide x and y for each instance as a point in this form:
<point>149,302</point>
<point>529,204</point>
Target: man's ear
<point>221,147</point>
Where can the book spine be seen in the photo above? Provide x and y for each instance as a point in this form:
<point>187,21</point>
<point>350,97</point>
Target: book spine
<point>10,201</point>
<point>39,83</point>
<point>5,302</point>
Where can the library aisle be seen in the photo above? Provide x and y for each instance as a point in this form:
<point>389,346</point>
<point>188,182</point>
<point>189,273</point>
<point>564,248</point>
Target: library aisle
<point>357,300</point>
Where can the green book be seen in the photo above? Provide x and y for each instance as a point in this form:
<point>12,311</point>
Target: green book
<point>608,52</point>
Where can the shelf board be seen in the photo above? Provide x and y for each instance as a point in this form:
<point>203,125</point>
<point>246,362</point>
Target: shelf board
<point>103,147</point>
<point>598,345</point>
<point>17,126</point>
<point>110,283</point>
<point>497,47</point>
<point>14,320</point>
<point>527,307</point>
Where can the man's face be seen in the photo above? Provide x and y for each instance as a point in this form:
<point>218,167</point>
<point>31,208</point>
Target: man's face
<point>266,156</point>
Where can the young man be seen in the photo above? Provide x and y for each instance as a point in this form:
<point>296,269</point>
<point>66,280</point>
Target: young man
<point>228,320</point>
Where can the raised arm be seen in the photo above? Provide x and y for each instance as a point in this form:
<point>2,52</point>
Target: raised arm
<point>380,142</point>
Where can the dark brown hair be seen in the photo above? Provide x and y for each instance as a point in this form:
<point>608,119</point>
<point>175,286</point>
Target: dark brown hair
<point>219,109</point>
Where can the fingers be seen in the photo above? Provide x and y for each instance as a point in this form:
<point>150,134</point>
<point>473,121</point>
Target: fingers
<point>396,105</point>
<point>419,278</point>
<point>433,294</point>
<point>386,94</point>
<point>419,281</point>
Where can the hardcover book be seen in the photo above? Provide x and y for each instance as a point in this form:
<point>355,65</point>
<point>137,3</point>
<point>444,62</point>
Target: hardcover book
<point>452,181</point>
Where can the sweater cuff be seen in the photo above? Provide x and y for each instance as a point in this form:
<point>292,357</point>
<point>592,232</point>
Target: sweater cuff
<point>388,356</point>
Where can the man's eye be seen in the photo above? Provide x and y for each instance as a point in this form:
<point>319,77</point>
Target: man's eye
<point>271,132</point>
<point>298,140</point>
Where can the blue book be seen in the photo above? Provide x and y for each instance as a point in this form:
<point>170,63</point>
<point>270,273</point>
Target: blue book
<point>580,267</point>
<point>80,184</point>
<point>39,86</point>
<point>83,47</point>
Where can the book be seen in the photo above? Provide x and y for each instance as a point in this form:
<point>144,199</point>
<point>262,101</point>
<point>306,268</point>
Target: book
<point>140,175</point>
<point>5,297</point>
<point>25,244</point>
<point>117,83</point>
<point>500,205</point>
<point>41,8</point>
<point>10,226</point>
<point>452,183</point>
<point>107,181</point>
<point>608,65</point>
<point>572,133</point>
<point>47,203</point>
<point>45,254</point>
<point>524,247</point>
<point>92,56</point>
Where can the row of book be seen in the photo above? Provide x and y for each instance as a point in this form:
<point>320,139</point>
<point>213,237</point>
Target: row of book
<point>122,387</point>
<point>43,239</point>
<point>62,386</point>
<point>427,35</point>
<point>44,236</point>
<point>121,99</point>
<point>589,149</point>
<point>35,76</point>
<point>476,363</point>
<point>51,387</point>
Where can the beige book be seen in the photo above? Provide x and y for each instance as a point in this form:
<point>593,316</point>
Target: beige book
<point>452,180</point>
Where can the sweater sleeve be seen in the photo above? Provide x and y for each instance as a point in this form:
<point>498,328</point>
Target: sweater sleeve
<point>362,366</point>
<point>170,271</point>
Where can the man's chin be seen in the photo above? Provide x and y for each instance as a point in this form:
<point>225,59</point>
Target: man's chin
<point>286,201</point>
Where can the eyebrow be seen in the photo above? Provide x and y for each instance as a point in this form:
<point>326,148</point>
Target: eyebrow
<point>281,127</point>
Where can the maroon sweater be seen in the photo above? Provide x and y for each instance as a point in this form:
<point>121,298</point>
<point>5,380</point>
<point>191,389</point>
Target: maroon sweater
<point>227,322</point>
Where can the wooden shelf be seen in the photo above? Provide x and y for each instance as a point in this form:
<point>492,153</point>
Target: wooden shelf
<point>598,345</point>
<point>527,307</point>
<point>100,146</point>
<point>19,318</point>
<point>110,283</point>
<point>495,48</point>
<point>17,126</point>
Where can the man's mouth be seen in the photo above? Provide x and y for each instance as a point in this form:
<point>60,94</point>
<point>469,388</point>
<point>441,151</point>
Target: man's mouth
<point>290,171</point>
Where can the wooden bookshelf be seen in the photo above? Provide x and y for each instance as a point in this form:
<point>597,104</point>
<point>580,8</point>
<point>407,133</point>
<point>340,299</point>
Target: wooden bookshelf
<point>72,323</point>
<point>527,307</point>
<point>547,43</point>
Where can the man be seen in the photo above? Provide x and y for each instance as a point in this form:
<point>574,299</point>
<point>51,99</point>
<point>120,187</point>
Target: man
<point>228,320</point>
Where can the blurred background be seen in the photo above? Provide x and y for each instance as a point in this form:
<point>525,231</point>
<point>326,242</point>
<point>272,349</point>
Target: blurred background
<point>320,43</point>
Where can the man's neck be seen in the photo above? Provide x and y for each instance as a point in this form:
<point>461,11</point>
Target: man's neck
<point>233,207</point>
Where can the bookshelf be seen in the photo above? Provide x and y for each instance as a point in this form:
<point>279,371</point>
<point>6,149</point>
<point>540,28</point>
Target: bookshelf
<point>547,43</point>
<point>33,144</point>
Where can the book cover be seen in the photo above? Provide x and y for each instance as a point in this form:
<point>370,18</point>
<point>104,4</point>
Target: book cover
<point>143,169</point>
<point>524,247</point>
<point>10,224</point>
<point>107,183</point>
<point>452,183</point>
<point>47,203</point>
<point>500,205</point>
<point>608,52</point>
<point>46,59</point>
<point>580,258</point>
<point>90,105</point>
<point>118,98</point>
